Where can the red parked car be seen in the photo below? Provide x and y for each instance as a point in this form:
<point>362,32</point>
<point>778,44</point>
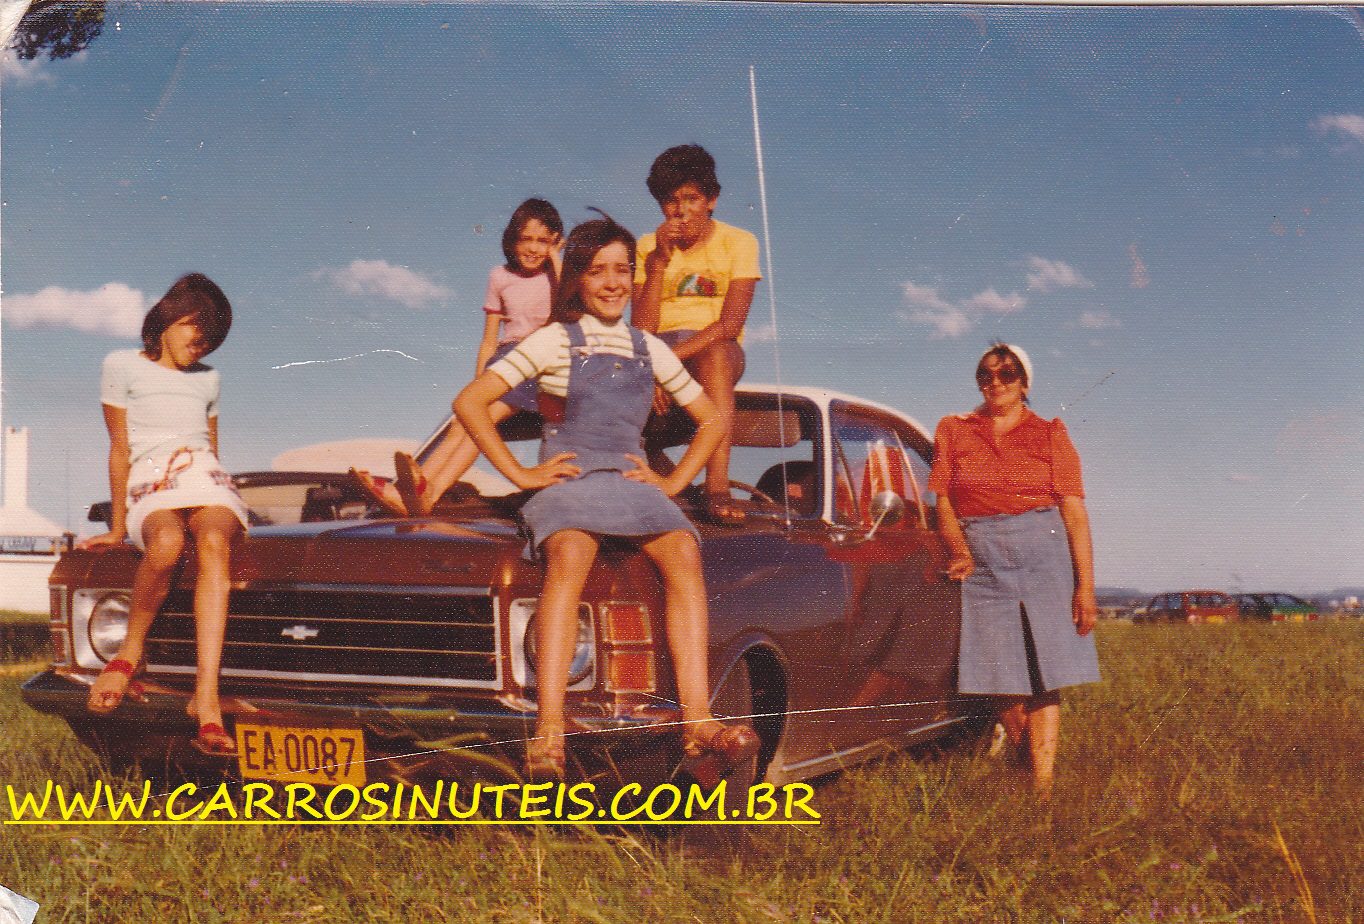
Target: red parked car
<point>1192,606</point>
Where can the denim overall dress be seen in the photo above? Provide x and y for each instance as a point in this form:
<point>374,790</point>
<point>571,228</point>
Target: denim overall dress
<point>608,403</point>
<point>1017,637</point>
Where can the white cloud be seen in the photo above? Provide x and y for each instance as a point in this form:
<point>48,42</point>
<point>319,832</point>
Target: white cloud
<point>381,278</point>
<point>1352,126</point>
<point>1047,275</point>
<point>17,71</point>
<point>1098,320</point>
<point>990,300</point>
<point>952,319</point>
<point>1243,478</point>
<point>113,309</point>
<point>927,297</point>
<point>946,322</point>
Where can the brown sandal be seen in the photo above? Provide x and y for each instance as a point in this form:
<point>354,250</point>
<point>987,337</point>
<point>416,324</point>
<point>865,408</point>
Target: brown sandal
<point>373,486</point>
<point>411,484</point>
<point>545,758</point>
<point>710,757</point>
<point>721,511</point>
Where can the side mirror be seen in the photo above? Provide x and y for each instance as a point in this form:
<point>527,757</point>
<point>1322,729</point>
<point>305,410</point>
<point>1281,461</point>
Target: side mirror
<point>887,509</point>
<point>103,512</point>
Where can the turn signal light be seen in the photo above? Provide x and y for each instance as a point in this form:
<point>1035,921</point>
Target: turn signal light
<point>60,646</point>
<point>626,624</point>
<point>630,672</point>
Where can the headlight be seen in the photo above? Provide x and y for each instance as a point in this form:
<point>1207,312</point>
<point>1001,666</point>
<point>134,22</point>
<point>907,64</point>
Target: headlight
<point>580,669</point>
<point>109,624</point>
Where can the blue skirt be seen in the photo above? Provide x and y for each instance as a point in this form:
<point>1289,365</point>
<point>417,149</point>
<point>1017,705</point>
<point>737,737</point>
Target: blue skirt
<point>604,503</point>
<point>1017,636</point>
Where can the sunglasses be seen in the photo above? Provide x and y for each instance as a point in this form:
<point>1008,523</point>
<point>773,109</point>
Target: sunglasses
<point>1005,376</point>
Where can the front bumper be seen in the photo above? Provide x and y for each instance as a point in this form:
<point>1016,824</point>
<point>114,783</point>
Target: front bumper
<point>406,734</point>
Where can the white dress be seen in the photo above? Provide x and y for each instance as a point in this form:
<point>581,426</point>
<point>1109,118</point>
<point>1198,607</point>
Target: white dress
<point>172,464</point>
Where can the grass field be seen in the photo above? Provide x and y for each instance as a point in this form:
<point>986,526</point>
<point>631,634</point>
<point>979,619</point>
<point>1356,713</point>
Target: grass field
<point>1176,774</point>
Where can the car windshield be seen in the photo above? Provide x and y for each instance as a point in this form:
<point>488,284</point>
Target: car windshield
<point>774,450</point>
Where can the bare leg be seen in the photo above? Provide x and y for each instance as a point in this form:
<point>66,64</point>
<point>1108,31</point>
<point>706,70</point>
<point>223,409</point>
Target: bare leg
<point>570,553</point>
<point>1044,730</point>
<point>451,458</point>
<point>678,558</point>
<point>1013,716</point>
<point>717,368</point>
<point>214,528</point>
<point>163,535</point>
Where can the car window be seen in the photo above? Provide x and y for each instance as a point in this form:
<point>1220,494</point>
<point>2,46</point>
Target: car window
<point>873,453</point>
<point>283,504</point>
<point>775,449</point>
<point>776,452</point>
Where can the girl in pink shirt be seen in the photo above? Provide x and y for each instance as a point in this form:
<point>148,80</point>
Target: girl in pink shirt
<point>516,305</point>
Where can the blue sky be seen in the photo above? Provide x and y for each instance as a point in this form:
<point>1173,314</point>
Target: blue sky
<point>1164,206</point>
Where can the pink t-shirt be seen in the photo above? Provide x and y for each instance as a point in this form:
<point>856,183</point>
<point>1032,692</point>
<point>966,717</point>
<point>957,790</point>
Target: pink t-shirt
<point>521,301</point>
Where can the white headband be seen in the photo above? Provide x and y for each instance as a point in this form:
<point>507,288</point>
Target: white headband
<point>1019,355</point>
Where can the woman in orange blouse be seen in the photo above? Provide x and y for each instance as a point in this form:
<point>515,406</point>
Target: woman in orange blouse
<point>1011,508</point>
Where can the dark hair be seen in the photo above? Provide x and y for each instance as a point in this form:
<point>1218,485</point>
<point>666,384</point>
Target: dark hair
<point>195,296</point>
<point>541,211</point>
<point>1001,352</point>
<point>583,243</point>
<point>675,167</point>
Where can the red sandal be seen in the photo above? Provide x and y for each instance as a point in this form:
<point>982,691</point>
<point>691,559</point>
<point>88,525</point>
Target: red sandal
<point>128,670</point>
<point>214,741</point>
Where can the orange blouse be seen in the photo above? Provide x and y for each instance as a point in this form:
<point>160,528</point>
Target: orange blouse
<point>1033,465</point>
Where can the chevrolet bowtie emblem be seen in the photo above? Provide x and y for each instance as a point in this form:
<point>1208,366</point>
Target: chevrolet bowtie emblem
<point>299,633</point>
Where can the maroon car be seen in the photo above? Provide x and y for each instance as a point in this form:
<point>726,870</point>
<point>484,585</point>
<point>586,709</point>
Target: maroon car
<point>402,647</point>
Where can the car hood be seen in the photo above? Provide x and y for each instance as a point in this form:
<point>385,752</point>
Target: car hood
<point>430,529</point>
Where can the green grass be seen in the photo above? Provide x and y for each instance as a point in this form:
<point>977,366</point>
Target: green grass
<point>1174,774</point>
<point>22,617</point>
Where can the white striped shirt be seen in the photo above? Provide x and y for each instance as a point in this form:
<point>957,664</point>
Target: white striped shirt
<point>545,355</point>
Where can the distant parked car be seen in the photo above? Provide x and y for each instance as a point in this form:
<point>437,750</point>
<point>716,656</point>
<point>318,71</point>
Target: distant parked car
<point>1274,607</point>
<point>1191,606</point>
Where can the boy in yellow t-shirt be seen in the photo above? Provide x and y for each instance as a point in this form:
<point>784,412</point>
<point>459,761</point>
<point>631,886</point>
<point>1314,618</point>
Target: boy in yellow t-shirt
<point>694,282</point>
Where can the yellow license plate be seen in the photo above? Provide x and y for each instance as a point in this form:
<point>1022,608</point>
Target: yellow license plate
<point>329,756</point>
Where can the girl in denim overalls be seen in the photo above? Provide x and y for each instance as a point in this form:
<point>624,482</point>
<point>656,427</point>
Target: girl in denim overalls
<point>596,484</point>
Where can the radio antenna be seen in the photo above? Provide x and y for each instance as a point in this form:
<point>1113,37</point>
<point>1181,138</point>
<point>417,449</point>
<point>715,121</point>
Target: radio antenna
<point>771,285</point>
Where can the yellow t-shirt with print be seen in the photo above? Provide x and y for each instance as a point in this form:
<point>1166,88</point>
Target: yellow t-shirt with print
<point>696,280</point>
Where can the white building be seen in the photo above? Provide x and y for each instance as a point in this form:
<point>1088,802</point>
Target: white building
<point>29,542</point>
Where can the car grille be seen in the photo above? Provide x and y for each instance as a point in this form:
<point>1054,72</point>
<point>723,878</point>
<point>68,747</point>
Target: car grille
<point>444,636</point>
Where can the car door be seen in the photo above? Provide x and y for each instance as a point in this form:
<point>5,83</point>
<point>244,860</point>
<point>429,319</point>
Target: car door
<point>901,623</point>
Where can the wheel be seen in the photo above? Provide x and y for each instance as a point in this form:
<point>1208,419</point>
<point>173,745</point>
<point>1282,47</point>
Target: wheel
<point>752,492</point>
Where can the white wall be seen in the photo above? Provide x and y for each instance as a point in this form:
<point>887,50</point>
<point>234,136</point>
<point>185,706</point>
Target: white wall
<point>23,582</point>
